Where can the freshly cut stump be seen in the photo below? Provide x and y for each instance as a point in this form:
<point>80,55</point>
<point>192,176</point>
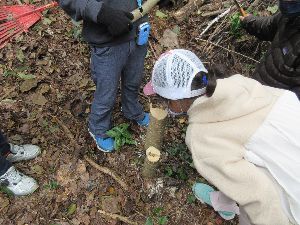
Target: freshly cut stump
<point>151,162</point>
<point>156,129</point>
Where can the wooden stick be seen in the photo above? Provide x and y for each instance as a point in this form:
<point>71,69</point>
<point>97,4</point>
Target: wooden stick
<point>106,171</point>
<point>211,23</point>
<point>117,217</point>
<point>147,6</point>
<point>226,49</point>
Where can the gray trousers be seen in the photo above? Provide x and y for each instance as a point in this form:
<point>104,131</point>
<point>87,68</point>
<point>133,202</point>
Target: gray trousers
<point>109,65</point>
<point>4,149</point>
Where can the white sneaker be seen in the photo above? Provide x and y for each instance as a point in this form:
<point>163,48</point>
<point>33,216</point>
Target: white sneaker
<point>18,183</point>
<point>23,152</point>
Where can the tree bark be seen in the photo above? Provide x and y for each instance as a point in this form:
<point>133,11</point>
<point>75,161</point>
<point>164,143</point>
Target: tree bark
<point>156,129</point>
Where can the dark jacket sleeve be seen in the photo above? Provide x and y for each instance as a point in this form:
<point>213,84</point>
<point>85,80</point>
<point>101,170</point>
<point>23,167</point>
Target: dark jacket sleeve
<point>82,9</point>
<point>263,28</point>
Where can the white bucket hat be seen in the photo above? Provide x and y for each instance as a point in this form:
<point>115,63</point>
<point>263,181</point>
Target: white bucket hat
<point>173,75</point>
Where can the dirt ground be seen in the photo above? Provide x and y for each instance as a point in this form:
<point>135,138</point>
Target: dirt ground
<point>46,91</point>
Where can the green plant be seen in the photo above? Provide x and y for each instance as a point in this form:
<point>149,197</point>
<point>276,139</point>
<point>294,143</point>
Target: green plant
<point>156,216</point>
<point>121,135</point>
<point>191,199</point>
<point>52,185</point>
<point>5,190</point>
<point>179,170</point>
<point>235,25</point>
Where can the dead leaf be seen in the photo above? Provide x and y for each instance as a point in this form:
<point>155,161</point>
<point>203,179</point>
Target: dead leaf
<point>27,85</point>
<point>110,204</point>
<point>169,39</point>
<point>38,169</point>
<point>39,99</point>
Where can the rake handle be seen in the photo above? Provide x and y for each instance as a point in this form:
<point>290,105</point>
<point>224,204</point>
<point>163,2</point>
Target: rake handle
<point>39,9</point>
<point>242,11</point>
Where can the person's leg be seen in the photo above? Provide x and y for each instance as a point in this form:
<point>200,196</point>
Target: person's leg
<point>4,165</point>
<point>4,145</point>
<point>243,218</point>
<point>4,150</point>
<point>131,81</point>
<point>106,68</point>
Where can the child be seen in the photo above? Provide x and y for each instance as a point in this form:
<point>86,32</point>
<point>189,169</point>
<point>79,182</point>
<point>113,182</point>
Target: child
<point>244,138</point>
<point>18,183</point>
<point>115,55</point>
<point>281,64</point>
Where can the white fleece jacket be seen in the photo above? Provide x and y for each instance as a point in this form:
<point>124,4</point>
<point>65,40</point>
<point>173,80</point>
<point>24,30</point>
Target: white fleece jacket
<point>219,127</point>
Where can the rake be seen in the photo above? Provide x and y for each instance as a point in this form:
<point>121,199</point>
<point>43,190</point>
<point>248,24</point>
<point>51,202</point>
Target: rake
<point>15,20</point>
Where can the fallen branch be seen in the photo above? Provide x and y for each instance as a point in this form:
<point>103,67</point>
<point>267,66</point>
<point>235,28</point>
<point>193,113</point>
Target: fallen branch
<point>117,217</point>
<point>107,171</point>
<point>77,147</point>
<point>213,13</point>
<point>215,20</point>
<point>188,9</point>
<point>226,49</point>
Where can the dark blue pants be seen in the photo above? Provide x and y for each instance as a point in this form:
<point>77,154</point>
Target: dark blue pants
<point>4,149</point>
<point>109,66</point>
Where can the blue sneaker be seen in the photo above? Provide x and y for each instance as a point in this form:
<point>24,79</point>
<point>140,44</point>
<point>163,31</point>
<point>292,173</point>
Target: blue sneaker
<point>202,193</point>
<point>104,144</point>
<point>144,122</point>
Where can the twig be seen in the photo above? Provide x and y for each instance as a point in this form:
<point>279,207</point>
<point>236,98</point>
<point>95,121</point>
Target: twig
<point>106,171</point>
<point>213,13</point>
<point>117,217</point>
<point>153,50</point>
<point>214,21</point>
<point>77,147</point>
<point>226,49</point>
<point>19,2</point>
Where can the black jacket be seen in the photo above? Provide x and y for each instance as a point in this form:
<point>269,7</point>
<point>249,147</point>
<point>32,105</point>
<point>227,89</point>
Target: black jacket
<point>94,33</point>
<point>280,66</point>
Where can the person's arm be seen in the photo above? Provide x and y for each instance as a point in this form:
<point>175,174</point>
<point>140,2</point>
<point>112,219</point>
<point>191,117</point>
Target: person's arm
<point>220,161</point>
<point>263,28</point>
<point>117,22</point>
<point>82,9</point>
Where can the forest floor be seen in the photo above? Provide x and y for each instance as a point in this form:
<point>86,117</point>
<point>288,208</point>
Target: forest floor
<point>45,96</point>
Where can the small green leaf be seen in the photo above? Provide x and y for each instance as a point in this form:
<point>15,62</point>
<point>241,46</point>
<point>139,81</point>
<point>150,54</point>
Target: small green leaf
<point>25,76</point>
<point>191,199</point>
<point>160,14</point>
<point>162,220</point>
<point>46,21</point>
<point>149,221</point>
<point>72,208</point>
<point>273,9</point>
<point>20,55</point>
<point>157,211</point>
<point>5,190</point>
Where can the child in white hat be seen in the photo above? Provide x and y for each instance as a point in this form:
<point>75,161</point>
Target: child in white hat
<point>244,138</point>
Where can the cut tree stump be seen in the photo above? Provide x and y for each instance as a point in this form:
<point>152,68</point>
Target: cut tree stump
<point>154,140</point>
<point>156,129</point>
<point>151,162</point>
<point>188,9</point>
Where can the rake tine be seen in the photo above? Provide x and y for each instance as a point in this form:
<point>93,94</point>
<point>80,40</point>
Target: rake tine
<point>11,30</point>
<point>7,25</point>
<point>7,37</point>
